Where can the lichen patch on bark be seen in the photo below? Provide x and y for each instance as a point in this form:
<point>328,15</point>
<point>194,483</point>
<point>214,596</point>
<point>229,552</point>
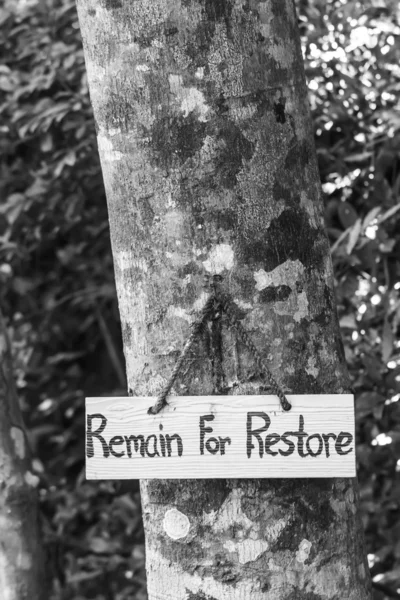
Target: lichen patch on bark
<point>230,514</point>
<point>304,551</point>
<point>286,273</point>
<point>302,307</point>
<point>106,146</point>
<point>176,525</point>
<point>220,259</point>
<point>247,550</point>
<point>190,98</point>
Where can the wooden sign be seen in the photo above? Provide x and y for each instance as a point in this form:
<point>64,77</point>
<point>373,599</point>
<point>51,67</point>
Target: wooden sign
<point>209,437</point>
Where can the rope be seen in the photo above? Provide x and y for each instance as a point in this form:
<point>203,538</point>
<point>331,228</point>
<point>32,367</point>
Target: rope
<point>197,328</point>
<point>216,301</point>
<point>246,340</point>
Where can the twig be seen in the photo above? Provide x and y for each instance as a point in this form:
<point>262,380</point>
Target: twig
<point>112,352</point>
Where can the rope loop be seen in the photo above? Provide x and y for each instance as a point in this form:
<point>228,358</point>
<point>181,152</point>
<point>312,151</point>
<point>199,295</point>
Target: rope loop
<point>218,301</point>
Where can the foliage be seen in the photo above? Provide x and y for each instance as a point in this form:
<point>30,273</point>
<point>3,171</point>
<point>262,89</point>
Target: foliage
<point>352,56</point>
<point>57,288</point>
<point>57,285</point>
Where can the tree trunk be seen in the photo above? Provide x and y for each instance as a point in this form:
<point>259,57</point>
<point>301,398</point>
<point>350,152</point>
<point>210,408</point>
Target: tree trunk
<point>22,574</point>
<point>208,159</point>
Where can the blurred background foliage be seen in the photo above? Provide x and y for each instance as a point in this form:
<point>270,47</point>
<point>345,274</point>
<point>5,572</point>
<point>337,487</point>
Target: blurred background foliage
<point>57,285</point>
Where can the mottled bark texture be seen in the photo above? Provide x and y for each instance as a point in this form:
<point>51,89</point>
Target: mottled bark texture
<point>209,165</point>
<point>22,574</point>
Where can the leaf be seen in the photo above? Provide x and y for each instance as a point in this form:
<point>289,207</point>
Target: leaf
<point>361,157</point>
<point>99,545</point>
<point>64,356</point>
<point>353,236</point>
<point>84,576</point>
<point>13,207</point>
<point>372,367</point>
<point>46,143</point>
<point>339,240</point>
<point>347,215</point>
<point>6,85</point>
<point>389,213</point>
<point>22,285</point>
<point>367,402</point>
<point>393,379</point>
<point>70,158</point>
<point>371,216</point>
<point>4,15</point>
<point>348,321</point>
<point>387,341</point>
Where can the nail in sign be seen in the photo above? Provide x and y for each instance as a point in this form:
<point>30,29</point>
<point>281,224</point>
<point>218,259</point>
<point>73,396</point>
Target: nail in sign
<point>210,437</point>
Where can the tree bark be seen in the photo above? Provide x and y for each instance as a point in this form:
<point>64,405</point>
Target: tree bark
<point>22,573</point>
<point>208,159</point>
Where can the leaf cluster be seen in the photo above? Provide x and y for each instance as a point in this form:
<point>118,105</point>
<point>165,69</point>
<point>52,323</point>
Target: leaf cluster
<point>57,288</point>
<point>352,54</point>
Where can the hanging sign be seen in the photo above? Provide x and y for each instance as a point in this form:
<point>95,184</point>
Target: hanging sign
<point>210,437</point>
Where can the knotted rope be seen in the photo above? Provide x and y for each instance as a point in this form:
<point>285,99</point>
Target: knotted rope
<point>218,301</point>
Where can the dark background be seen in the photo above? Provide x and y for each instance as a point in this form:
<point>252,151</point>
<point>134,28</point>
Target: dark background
<point>57,285</point>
